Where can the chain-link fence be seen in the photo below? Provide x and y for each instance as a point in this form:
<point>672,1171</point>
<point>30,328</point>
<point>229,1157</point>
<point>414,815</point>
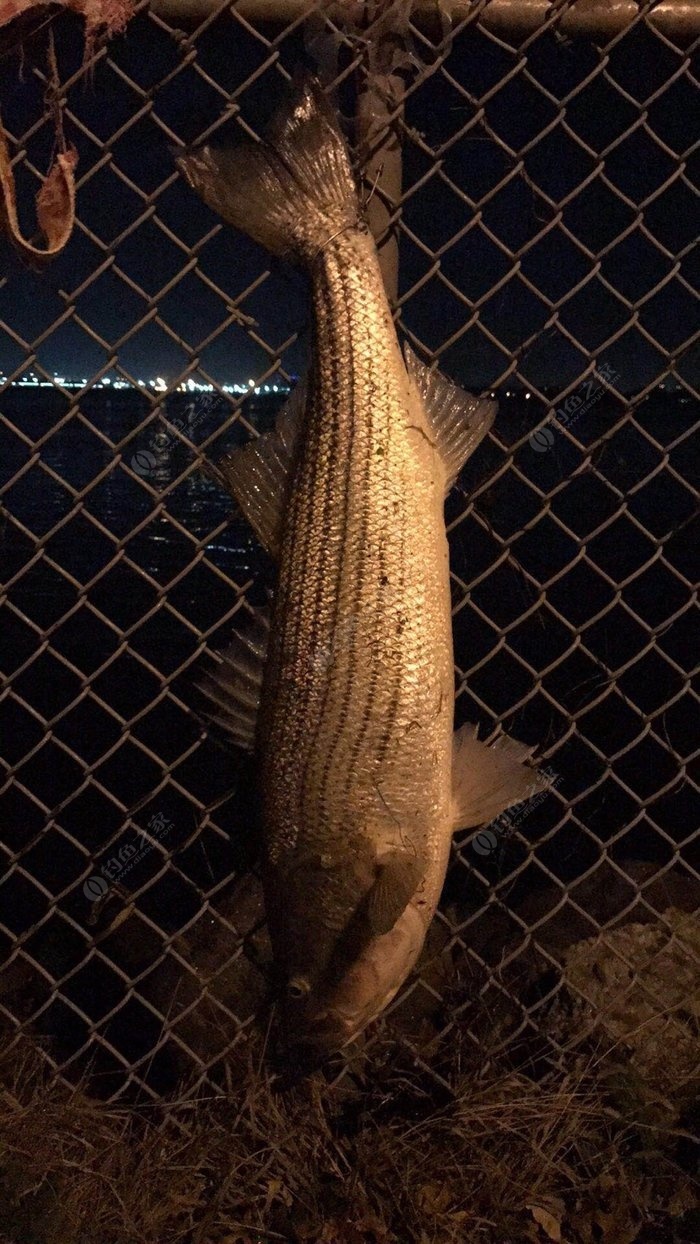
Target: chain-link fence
<point>545,222</point>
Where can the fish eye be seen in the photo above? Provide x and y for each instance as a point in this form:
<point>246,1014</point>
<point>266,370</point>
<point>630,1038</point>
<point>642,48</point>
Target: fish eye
<point>298,987</point>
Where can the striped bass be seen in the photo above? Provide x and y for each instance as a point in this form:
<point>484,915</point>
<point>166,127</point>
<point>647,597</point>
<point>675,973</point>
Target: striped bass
<point>347,696</point>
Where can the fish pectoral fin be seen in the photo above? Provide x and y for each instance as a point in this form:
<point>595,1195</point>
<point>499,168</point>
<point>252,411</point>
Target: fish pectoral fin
<point>397,880</point>
<point>488,778</point>
<point>258,474</point>
<point>231,689</point>
<point>457,420</point>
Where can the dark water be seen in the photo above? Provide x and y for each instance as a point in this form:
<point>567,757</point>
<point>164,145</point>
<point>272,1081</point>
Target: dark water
<point>126,574</point>
<point>576,633</point>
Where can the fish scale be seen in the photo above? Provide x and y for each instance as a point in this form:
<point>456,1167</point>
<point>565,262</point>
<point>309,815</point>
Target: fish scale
<point>362,780</point>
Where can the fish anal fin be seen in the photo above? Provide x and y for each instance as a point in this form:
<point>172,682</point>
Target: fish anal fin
<point>258,474</point>
<point>458,421</point>
<point>398,876</point>
<point>488,778</point>
<point>231,689</point>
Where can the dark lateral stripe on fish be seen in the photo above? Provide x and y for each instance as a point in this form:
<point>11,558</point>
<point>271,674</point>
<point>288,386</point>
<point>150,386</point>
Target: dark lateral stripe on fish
<point>331,586</point>
<point>337,390</point>
<point>304,515</point>
<point>348,712</point>
<point>377,400</point>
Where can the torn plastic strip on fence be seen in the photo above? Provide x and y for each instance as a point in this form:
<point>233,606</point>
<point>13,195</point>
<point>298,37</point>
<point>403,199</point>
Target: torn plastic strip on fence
<point>55,202</point>
<point>108,15</point>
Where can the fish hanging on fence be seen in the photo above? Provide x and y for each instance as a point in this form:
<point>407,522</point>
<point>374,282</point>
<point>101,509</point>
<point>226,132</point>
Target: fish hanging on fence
<point>347,693</point>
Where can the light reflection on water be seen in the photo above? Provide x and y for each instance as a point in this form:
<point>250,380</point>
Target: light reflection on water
<point>115,580</point>
<point>78,476</point>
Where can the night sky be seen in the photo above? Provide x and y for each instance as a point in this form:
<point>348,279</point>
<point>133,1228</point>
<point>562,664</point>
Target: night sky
<point>133,173</point>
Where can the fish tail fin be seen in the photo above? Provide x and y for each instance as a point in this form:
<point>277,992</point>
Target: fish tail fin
<point>293,191</point>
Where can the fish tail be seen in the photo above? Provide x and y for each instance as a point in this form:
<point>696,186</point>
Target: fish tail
<point>293,191</point>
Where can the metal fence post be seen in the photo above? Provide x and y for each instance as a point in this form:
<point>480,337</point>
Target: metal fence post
<point>379,107</point>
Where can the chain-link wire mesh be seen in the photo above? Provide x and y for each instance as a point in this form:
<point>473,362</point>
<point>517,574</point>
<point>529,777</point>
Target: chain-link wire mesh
<point>546,224</point>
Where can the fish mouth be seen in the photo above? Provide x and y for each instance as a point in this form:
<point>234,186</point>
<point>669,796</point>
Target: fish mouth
<point>330,1029</point>
<point>306,1050</point>
<point>324,1033</point>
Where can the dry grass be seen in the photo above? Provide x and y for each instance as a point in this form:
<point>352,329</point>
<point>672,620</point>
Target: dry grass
<point>378,1157</point>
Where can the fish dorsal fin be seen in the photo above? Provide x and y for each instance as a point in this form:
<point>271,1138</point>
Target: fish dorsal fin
<point>488,778</point>
<point>397,880</point>
<point>458,420</point>
<point>258,474</point>
<point>231,689</point>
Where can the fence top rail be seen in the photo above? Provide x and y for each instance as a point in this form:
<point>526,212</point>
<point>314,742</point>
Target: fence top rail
<point>586,18</point>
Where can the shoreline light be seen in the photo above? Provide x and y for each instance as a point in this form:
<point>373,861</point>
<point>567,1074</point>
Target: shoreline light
<point>157,384</point>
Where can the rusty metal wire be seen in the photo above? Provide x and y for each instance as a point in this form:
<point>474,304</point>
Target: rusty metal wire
<point>130,916</point>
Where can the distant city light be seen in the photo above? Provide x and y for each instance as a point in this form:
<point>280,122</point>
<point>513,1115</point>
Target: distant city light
<point>192,387</point>
<point>157,384</point>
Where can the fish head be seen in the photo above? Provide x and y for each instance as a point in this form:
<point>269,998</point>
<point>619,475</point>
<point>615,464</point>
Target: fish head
<point>347,925</point>
<point>312,901</point>
<point>354,990</point>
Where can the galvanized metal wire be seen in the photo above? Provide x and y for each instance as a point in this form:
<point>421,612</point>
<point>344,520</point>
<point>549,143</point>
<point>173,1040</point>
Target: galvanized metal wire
<point>130,913</point>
